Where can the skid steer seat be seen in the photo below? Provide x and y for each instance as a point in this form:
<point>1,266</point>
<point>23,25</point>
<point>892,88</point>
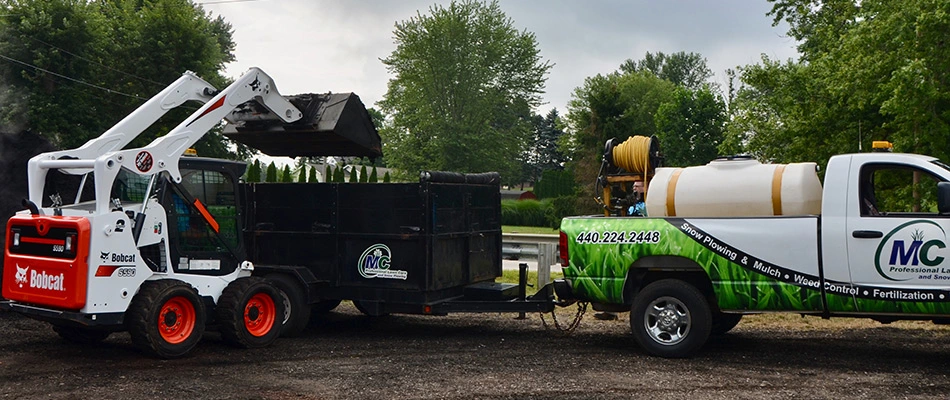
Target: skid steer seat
<point>333,124</point>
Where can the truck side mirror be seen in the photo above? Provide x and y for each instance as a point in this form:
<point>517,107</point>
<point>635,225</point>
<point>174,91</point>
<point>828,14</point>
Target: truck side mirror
<point>943,197</point>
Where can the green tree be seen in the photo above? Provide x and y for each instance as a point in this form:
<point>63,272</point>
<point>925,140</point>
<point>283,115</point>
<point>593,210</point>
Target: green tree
<point>542,153</point>
<point>464,83</point>
<point>286,175</point>
<point>373,177</point>
<point>80,66</point>
<point>353,178</point>
<point>691,126</point>
<point>271,172</point>
<point>363,174</point>
<point>254,172</point>
<point>328,173</point>
<point>386,177</point>
<point>869,70</point>
<point>312,178</point>
<point>338,174</point>
<point>683,69</point>
<point>616,105</point>
<point>302,174</point>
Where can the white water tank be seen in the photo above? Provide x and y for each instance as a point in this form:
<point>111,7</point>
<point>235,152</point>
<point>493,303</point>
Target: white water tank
<point>735,188</point>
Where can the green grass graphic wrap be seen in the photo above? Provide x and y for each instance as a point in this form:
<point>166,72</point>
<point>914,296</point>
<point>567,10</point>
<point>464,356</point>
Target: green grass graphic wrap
<point>599,271</point>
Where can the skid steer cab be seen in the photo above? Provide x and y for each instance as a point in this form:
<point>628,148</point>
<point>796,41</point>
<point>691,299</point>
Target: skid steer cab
<point>142,239</point>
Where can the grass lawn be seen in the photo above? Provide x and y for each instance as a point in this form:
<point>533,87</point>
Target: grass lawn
<point>511,276</point>
<point>528,229</point>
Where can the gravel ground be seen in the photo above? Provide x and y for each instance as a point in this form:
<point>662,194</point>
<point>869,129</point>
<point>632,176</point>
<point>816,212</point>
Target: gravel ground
<point>494,356</point>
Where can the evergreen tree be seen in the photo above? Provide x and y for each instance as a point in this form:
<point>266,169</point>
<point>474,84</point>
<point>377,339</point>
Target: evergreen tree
<point>286,175</point>
<point>271,172</point>
<point>313,175</point>
<point>386,178</point>
<point>302,176</point>
<point>373,178</point>
<point>338,175</point>
<point>254,172</point>
<point>353,178</point>
<point>363,176</point>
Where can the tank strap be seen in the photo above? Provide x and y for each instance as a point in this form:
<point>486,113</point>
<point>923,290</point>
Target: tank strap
<point>671,193</point>
<point>777,189</point>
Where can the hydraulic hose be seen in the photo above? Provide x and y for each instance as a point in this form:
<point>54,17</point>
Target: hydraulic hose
<point>633,155</point>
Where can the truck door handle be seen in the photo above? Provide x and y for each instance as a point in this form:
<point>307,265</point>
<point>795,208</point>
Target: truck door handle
<point>867,234</point>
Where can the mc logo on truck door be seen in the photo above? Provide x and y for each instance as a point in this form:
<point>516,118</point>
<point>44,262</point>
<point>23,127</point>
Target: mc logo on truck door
<point>912,250</point>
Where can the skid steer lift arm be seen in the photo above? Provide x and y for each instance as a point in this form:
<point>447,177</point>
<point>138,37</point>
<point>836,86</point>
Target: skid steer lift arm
<point>188,87</point>
<point>163,154</point>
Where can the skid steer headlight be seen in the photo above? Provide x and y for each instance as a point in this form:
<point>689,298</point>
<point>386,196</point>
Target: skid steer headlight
<point>16,238</point>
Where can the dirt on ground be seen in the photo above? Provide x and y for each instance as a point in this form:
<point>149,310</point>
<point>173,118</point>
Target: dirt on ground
<point>346,355</point>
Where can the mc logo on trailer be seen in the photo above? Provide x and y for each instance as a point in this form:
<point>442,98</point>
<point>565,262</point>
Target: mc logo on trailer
<point>910,250</point>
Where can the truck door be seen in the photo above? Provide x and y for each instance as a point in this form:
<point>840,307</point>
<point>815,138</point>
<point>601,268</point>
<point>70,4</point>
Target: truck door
<point>203,221</point>
<point>897,241</point>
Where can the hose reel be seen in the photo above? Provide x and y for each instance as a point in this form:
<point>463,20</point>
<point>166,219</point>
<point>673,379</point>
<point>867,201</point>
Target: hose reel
<point>624,163</point>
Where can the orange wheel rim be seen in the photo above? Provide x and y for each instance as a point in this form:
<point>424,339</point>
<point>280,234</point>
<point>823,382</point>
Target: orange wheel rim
<point>177,319</point>
<point>260,313</point>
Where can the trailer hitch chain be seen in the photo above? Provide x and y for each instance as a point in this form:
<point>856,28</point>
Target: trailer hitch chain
<point>581,309</point>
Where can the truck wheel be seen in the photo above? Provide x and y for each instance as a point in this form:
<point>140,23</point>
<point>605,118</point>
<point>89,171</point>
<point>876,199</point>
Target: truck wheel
<point>722,323</point>
<point>166,318</point>
<point>670,318</point>
<point>250,313</point>
<point>80,335</point>
<point>296,307</point>
<point>325,306</point>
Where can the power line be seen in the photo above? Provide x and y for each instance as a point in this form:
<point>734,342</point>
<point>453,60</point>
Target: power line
<point>98,63</point>
<point>70,78</point>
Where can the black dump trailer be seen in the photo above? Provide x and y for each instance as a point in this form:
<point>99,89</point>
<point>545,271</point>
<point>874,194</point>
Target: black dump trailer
<point>431,247</point>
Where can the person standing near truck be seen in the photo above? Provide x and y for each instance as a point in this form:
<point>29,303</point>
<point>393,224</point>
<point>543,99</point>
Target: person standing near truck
<point>639,208</point>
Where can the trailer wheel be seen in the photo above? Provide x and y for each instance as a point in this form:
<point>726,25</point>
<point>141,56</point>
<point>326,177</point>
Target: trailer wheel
<point>80,335</point>
<point>722,323</point>
<point>325,306</point>
<point>670,318</point>
<point>250,313</point>
<point>296,307</point>
<point>166,318</point>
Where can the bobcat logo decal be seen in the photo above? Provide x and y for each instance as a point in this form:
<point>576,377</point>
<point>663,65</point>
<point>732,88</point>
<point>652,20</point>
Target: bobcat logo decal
<point>21,275</point>
<point>104,255</point>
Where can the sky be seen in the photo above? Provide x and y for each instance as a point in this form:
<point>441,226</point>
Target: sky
<point>317,46</point>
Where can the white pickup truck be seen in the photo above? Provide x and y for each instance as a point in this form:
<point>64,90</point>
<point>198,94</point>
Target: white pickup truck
<point>878,250</point>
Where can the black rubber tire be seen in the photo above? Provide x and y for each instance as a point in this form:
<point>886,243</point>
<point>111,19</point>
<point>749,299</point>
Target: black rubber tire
<point>246,320</point>
<point>324,306</point>
<point>145,315</point>
<point>722,323</point>
<point>296,307</point>
<point>670,318</point>
<point>79,335</point>
<point>368,309</point>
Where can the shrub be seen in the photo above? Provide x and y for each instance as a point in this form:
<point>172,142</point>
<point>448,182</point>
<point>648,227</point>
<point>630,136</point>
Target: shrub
<point>524,212</point>
<point>559,208</point>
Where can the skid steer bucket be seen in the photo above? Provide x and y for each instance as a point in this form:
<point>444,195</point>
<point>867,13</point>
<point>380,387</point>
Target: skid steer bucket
<point>333,124</point>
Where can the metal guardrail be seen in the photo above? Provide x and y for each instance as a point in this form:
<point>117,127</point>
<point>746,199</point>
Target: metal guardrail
<point>543,248</point>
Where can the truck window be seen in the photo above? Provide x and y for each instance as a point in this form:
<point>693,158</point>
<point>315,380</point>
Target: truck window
<point>897,190</point>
